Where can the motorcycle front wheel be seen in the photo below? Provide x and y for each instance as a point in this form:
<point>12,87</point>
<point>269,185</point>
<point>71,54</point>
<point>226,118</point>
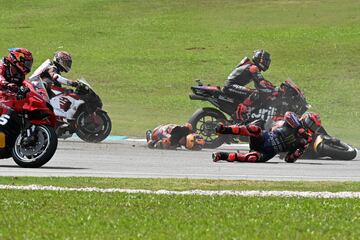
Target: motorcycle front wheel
<point>337,150</point>
<point>204,122</point>
<point>37,151</point>
<point>93,128</point>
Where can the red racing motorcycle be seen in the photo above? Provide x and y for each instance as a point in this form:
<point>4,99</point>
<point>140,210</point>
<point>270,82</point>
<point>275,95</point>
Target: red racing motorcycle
<point>27,124</point>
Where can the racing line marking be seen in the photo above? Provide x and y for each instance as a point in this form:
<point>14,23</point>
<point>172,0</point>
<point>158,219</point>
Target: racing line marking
<point>191,192</point>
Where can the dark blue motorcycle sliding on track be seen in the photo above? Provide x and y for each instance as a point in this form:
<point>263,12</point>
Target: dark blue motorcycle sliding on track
<point>290,98</point>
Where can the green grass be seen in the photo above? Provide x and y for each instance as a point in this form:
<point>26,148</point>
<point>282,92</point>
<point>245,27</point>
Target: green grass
<point>183,184</point>
<point>142,56</point>
<point>81,215</point>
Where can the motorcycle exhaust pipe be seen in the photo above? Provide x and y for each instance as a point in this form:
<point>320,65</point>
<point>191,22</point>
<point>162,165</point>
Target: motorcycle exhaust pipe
<point>197,97</point>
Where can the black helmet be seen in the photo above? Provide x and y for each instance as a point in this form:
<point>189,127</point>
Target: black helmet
<point>262,59</point>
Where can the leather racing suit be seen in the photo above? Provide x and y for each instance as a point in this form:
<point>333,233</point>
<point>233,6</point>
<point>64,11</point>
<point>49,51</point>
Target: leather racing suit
<point>8,80</point>
<point>51,75</point>
<point>168,136</point>
<point>291,136</point>
<point>243,74</point>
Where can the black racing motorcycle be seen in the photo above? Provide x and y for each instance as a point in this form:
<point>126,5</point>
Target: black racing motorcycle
<point>264,113</point>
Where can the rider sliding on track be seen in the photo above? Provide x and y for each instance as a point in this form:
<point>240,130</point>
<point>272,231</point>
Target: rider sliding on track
<point>292,136</point>
<point>172,136</point>
<point>246,71</point>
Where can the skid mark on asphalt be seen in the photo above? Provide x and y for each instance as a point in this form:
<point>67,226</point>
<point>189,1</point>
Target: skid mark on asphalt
<point>306,194</point>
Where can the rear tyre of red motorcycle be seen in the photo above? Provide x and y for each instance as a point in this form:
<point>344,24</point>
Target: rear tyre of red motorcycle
<point>88,131</point>
<point>40,152</point>
<point>204,122</point>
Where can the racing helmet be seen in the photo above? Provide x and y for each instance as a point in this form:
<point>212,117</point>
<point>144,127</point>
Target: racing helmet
<point>194,142</point>
<point>311,121</point>
<point>63,60</point>
<point>21,58</point>
<point>262,59</point>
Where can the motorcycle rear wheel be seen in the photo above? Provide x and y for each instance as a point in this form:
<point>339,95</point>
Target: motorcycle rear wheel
<point>40,152</point>
<point>88,131</point>
<point>204,122</point>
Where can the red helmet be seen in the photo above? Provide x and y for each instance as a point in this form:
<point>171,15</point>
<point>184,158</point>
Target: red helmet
<point>311,121</point>
<point>21,58</point>
<point>63,59</point>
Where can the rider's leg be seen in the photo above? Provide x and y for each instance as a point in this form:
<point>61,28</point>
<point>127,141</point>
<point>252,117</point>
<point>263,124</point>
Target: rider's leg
<point>242,157</point>
<point>236,156</point>
<point>244,130</point>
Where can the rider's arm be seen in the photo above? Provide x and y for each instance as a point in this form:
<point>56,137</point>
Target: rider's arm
<point>62,80</point>
<point>294,155</point>
<point>3,81</point>
<point>164,143</point>
<point>261,84</point>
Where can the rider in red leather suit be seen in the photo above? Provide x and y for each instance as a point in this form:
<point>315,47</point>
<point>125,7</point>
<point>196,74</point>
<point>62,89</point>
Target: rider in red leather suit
<point>14,68</point>
<point>172,136</point>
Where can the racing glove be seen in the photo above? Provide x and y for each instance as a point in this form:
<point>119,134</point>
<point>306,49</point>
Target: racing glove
<point>74,84</point>
<point>12,87</point>
<point>221,129</point>
<point>21,94</point>
<point>304,134</point>
<point>292,157</point>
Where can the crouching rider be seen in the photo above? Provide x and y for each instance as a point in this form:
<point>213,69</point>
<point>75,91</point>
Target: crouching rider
<point>172,136</point>
<point>291,136</point>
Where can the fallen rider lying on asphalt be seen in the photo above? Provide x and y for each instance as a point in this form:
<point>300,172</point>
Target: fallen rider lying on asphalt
<point>172,136</point>
<point>292,136</point>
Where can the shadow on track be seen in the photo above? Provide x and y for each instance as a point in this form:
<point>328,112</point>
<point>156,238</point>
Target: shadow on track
<point>64,168</point>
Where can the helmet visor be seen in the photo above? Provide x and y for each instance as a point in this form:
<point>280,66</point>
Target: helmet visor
<point>28,64</point>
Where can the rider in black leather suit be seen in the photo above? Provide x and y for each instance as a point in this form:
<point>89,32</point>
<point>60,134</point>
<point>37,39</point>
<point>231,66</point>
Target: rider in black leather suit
<point>292,136</point>
<point>249,70</point>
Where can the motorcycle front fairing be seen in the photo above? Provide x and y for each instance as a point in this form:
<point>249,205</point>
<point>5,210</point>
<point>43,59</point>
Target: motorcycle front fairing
<point>36,104</point>
<point>10,127</point>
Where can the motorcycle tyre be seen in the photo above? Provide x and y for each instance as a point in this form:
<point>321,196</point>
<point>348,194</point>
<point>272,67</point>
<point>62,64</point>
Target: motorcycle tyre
<point>338,154</point>
<point>50,151</point>
<point>200,113</point>
<point>87,136</point>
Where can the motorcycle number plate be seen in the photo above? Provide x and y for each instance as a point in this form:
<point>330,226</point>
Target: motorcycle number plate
<point>2,140</point>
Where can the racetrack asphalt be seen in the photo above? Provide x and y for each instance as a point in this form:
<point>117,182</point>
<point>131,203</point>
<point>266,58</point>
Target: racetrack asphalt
<point>133,159</point>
